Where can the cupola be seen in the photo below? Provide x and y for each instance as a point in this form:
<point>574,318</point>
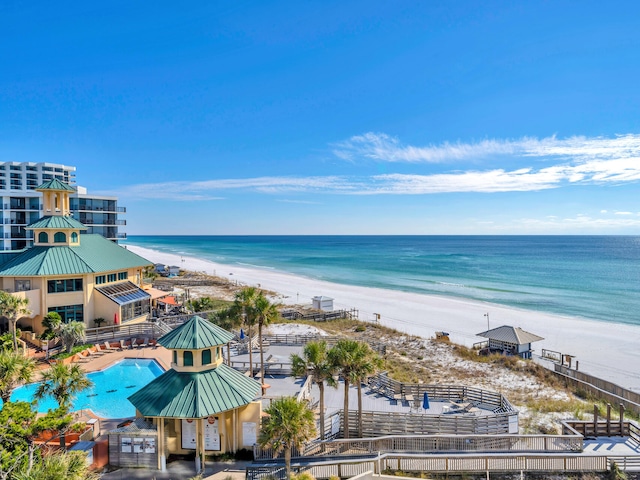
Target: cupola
<point>196,346</point>
<point>56,227</point>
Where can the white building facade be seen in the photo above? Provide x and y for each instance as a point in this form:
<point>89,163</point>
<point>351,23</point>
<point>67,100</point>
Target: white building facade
<point>21,204</point>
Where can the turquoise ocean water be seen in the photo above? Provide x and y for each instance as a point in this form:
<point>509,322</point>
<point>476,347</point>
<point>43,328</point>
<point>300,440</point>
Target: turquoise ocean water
<point>594,277</point>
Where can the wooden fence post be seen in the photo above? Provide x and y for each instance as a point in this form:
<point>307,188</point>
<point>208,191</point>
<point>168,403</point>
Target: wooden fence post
<point>608,419</point>
<point>622,432</point>
<point>595,420</point>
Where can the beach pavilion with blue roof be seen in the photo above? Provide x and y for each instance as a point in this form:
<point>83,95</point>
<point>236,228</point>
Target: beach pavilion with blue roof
<point>200,405</point>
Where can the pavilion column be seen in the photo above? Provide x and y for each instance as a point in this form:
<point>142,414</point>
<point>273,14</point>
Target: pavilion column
<point>234,422</point>
<point>200,442</point>
<point>162,456</point>
<point>222,426</point>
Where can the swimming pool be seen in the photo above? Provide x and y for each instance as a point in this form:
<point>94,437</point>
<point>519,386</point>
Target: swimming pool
<point>108,397</point>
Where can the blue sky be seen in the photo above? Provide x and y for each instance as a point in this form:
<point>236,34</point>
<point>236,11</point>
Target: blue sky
<point>334,117</point>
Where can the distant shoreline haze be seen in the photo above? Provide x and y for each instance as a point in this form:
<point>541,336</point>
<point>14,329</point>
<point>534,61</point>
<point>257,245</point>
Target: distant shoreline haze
<point>593,277</point>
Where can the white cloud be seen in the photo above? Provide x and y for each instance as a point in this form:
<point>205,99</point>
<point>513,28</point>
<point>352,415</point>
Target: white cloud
<point>575,161</point>
<point>385,148</point>
<point>624,213</point>
<point>382,147</point>
<point>201,190</point>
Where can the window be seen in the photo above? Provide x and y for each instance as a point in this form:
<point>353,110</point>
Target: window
<point>206,357</point>
<point>74,237</point>
<point>188,358</point>
<point>100,279</point>
<point>43,237</point>
<point>122,275</point>
<point>60,237</point>
<point>111,277</point>
<point>135,309</point>
<point>69,313</point>
<point>67,285</point>
<point>22,285</point>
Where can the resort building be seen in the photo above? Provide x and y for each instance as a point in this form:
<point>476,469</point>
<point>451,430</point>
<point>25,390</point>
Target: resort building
<point>20,203</point>
<point>80,276</point>
<point>510,341</point>
<point>200,405</point>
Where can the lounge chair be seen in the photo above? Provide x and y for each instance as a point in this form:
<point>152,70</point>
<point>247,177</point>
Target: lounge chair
<point>108,347</point>
<point>87,358</point>
<point>145,343</point>
<point>121,345</point>
<point>133,343</point>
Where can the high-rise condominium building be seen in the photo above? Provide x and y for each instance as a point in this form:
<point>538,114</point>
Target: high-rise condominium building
<point>22,205</point>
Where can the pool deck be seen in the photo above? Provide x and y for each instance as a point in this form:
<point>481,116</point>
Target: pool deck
<point>107,357</point>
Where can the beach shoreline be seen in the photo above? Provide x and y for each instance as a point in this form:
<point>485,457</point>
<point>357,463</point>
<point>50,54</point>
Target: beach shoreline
<point>606,350</point>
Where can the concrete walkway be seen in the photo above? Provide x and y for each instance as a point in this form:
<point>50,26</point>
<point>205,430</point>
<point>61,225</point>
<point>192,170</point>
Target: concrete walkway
<point>182,470</point>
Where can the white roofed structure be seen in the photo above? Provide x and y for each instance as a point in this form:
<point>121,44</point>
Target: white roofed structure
<point>510,340</point>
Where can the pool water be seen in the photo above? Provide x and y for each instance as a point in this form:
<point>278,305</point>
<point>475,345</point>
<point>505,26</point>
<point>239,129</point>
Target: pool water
<point>108,397</point>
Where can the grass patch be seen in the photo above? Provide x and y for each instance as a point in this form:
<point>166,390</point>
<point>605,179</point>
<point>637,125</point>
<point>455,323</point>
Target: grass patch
<point>74,350</point>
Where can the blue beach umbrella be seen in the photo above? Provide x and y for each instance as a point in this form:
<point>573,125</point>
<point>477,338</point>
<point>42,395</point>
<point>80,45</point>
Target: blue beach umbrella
<point>241,334</point>
<point>425,401</point>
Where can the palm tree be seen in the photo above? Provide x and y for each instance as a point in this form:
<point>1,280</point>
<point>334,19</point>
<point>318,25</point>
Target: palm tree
<point>244,308</point>
<point>72,333</point>
<point>52,322</point>
<point>202,304</point>
<point>13,308</point>
<point>289,424</point>
<point>15,369</point>
<point>345,357</point>
<point>366,363</point>
<point>266,312</point>
<point>315,362</point>
<point>63,383</point>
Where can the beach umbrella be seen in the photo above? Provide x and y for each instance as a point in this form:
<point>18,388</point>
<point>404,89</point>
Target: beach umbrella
<point>115,319</point>
<point>241,334</point>
<point>425,401</point>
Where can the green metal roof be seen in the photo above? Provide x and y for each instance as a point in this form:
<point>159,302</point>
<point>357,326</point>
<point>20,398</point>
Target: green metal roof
<point>94,254</point>
<point>55,184</point>
<point>196,333</point>
<point>195,395</point>
<point>56,222</point>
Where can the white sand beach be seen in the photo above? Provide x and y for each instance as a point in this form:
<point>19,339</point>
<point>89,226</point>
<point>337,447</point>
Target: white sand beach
<point>607,350</point>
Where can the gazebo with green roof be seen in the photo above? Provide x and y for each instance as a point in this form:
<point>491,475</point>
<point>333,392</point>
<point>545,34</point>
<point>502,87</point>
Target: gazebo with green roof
<point>200,404</point>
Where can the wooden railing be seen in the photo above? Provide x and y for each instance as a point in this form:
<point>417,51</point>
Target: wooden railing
<point>600,388</point>
<point>460,463</point>
<point>488,399</point>
<point>116,332</point>
<point>625,463</point>
<point>602,428</point>
<point>292,314</point>
<point>634,432</point>
<point>270,368</point>
<point>375,424</point>
<point>284,339</point>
